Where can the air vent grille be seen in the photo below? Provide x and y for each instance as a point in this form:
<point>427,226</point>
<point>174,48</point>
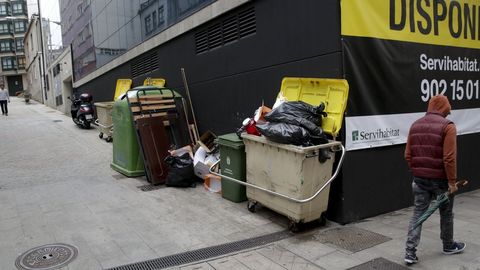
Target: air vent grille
<point>229,30</point>
<point>144,64</point>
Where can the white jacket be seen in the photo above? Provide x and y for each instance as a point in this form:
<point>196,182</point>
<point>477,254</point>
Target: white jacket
<point>4,94</point>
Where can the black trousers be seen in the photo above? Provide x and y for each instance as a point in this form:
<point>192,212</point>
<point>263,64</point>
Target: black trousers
<point>3,104</point>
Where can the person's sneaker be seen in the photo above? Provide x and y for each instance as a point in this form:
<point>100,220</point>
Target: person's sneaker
<point>456,247</point>
<point>411,259</point>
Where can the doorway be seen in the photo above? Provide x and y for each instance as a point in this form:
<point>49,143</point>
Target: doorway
<point>14,84</point>
<point>67,92</point>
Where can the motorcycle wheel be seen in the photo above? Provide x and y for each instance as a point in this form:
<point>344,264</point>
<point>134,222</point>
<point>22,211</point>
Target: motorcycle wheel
<point>84,123</point>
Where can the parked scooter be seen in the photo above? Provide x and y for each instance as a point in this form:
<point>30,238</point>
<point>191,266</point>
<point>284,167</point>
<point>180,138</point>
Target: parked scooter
<point>82,110</point>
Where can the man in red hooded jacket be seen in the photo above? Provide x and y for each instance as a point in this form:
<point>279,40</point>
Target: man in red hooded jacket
<point>431,153</point>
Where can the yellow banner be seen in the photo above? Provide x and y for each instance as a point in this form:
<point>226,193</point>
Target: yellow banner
<point>438,22</point>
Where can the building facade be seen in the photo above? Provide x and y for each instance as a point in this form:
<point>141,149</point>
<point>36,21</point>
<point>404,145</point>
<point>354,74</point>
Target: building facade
<point>33,60</point>
<point>13,25</point>
<point>101,31</point>
<point>61,80</point>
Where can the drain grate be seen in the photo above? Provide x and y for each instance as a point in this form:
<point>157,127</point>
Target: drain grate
<point>351,238</point>
<point>205,253</point>
<point>57,121</point>
<point>150,187</point>
<point>380,264</point>
<point>46,257</point>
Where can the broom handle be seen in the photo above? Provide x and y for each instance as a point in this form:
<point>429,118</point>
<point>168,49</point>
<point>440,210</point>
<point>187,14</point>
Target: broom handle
<point>184,77</point>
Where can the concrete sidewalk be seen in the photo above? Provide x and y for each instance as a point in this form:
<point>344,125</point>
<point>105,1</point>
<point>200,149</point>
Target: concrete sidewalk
<point>56,186</point>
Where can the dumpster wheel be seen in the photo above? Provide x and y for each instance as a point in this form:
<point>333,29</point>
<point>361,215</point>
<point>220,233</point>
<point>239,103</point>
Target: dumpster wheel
<point>322,221</point>
<point>293,226</point>
<point>109,139</point>
<point>100,135</point>
<point>252,206</point>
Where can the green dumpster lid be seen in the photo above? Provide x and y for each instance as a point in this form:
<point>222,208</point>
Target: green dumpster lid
<point>230,140</point>
<point>152,89</point>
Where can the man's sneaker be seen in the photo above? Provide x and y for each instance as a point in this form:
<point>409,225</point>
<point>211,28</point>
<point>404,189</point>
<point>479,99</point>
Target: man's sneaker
<point>456,247</point>
<point>411,259</point>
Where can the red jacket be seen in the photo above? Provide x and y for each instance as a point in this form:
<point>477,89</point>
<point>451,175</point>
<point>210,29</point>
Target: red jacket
<point>431,149</point>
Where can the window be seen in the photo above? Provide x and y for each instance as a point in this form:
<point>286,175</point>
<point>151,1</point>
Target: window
<point>161,15</point>
<point>21,62</point>
<point>17,9</point>
<point>19,26</point>
<point>56,70</point>
<point>5,45</point>
<point>148,24</point>
<point>4,28</point>
<point>19,44</point>
<point>4,10</point>
<point>8,63</point>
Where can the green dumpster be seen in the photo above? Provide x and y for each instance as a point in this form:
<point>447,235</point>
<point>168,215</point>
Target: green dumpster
<point>233,164</point>
<point>127,159</point>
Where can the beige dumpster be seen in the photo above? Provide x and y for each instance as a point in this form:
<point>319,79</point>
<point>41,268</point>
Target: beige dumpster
<point>104,119</point>
<point>293,171</point>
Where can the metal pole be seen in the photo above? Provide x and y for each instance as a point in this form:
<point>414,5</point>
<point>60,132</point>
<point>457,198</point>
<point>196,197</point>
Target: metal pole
<point>44,66</point>
<point>190,101</point>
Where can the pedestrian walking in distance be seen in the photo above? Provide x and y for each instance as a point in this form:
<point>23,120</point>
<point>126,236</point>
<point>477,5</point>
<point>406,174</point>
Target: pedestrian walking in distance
<point>4,99</point>
<point>431,153</point>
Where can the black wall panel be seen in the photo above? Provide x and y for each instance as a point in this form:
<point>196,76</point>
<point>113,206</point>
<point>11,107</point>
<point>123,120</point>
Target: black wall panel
<point>291,39</point>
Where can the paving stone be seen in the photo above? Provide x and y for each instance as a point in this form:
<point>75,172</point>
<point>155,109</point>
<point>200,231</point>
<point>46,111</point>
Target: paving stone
<point>286,258</point>
<point>228,263</point>
<point>201,266</point>
<point>255,260</point>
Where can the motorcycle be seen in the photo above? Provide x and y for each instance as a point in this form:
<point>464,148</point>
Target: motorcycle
<point>82,110</point>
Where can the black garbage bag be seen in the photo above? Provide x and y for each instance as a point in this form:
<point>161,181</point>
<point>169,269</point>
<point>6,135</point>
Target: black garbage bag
<point>180,173</point>
<point>291,111</point>
<point>292,134</point>
<point>286,133</point>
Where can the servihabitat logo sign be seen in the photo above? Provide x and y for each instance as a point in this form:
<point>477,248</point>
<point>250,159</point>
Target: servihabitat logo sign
<point>379,134</point>
<point>378,130</point>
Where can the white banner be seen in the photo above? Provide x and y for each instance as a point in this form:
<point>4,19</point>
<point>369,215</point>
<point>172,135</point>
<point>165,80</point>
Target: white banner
<point>383,130</point>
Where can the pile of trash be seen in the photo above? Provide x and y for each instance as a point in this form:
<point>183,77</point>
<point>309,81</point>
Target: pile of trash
<point>289,122</point>
<point>189,165</point>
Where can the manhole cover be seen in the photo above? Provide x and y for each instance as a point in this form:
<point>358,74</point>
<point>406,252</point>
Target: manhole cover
<point>351,238</point>
<point>57,121</point>
<point>52,256</point>
<point>379,264</point>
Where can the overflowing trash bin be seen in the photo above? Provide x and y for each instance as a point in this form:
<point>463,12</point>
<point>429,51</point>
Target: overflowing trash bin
<point>298,180</point>
<point>294,180</point>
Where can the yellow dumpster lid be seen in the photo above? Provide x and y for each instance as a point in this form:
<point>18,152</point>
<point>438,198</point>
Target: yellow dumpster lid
<point>155,82</point>
<point>332,92</point>
<point>123,85</point>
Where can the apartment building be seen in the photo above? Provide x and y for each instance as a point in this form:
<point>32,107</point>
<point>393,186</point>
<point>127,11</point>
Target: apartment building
<point>13,24</point>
